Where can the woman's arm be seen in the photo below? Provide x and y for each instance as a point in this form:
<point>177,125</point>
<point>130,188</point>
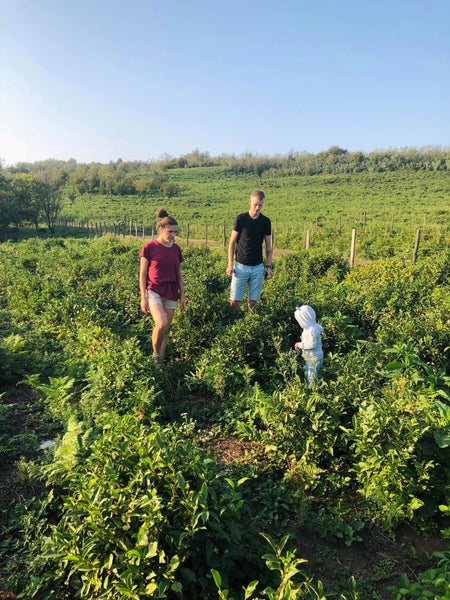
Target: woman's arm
<point>181,287</point>
<point>143,284</point>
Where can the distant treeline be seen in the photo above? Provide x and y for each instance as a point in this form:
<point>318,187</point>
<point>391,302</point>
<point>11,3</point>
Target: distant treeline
<point>37,192</point>
<point>140,177</point>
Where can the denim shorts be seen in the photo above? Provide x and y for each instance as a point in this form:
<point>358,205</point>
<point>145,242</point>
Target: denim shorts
<point>243,274</point>
<point>154,298</point>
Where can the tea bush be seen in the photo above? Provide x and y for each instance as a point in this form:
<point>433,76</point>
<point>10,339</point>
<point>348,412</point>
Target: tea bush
<point>136,504</point>
<point>146,512</point>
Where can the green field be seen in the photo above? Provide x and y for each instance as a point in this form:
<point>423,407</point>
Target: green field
<point>220,474</point>
<point>395,204</point>
<point>171,483</point>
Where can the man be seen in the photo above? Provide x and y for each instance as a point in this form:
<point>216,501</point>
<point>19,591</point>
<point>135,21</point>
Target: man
<point>250,230</point>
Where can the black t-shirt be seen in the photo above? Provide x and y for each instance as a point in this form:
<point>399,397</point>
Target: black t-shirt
<point>250,238</point>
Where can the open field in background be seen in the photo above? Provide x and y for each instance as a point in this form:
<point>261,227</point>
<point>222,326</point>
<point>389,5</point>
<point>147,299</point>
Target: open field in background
<point>395,204</point>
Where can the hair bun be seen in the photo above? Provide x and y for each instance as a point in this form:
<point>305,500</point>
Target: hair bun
<point>161,213</point>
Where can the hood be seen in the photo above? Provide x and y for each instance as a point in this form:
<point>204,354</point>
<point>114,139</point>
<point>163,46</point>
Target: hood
<point>306,317</point>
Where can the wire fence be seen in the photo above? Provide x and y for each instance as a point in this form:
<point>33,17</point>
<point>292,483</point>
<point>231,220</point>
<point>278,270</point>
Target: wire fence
<point>363,242</point>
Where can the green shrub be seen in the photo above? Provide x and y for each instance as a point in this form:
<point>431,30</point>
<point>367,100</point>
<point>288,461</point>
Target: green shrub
<point>146,512</point>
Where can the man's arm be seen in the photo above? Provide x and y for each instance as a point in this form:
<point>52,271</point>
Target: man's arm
<point>269,252</point>
<point>231,247</point>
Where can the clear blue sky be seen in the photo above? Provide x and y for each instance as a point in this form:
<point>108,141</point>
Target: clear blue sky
<point>99,80</point>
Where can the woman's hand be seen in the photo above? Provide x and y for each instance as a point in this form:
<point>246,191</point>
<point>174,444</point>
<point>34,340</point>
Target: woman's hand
<point>144,304</point>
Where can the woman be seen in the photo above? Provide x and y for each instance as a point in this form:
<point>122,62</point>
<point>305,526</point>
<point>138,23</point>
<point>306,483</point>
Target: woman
<point>161,281</point>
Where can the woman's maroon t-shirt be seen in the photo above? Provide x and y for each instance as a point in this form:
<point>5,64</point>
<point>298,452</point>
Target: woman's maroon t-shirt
<point>163,268</point>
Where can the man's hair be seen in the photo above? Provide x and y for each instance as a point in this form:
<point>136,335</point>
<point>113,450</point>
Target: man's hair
<point>258,194</point>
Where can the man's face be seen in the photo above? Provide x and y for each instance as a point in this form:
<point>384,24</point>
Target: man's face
<point>255,206</point>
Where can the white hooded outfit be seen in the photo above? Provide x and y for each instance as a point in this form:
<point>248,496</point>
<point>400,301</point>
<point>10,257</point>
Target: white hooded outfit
<point>311,341</point>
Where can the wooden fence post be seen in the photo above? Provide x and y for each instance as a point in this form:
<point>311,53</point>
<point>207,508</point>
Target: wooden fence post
<point>308,235</point>
<point>143,232</point>
<point>340,228</point>
<point>187,234</point>
<point>416,246</point>
<point>352,249</point>
<point>364,220</point>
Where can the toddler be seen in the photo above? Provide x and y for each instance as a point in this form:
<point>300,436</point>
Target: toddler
<point>311,343</point>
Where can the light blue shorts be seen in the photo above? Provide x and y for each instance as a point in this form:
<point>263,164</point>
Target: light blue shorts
<point>243,275</point>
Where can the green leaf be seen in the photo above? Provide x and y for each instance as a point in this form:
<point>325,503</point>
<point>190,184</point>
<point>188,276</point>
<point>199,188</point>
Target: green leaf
<point>243,480</point>
<point>72,557</point>
<point>404,581</point>
<point>415,504</point>
<point>250,589</point>
<point>151,588</point>
<point>395,365</point>
<point>217,577</point>
<point>442,439</point>
<point>152,549</point>
<point>443,408</point>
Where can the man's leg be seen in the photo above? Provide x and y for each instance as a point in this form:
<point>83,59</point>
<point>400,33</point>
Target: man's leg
<point>238,282</point>
<point>255,285</point>
<point>251,304</point>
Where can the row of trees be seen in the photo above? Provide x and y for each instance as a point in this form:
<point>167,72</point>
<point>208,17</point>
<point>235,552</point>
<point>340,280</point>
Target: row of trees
<point>117,178</point>
<point>39,196</point>
<point>138,177</point>
<point>337,160</point>
<point>27,199</point>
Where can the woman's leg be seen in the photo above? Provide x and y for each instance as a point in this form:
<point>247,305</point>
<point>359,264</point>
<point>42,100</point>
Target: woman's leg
<point>162,318</point>
<point>169,316</point>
